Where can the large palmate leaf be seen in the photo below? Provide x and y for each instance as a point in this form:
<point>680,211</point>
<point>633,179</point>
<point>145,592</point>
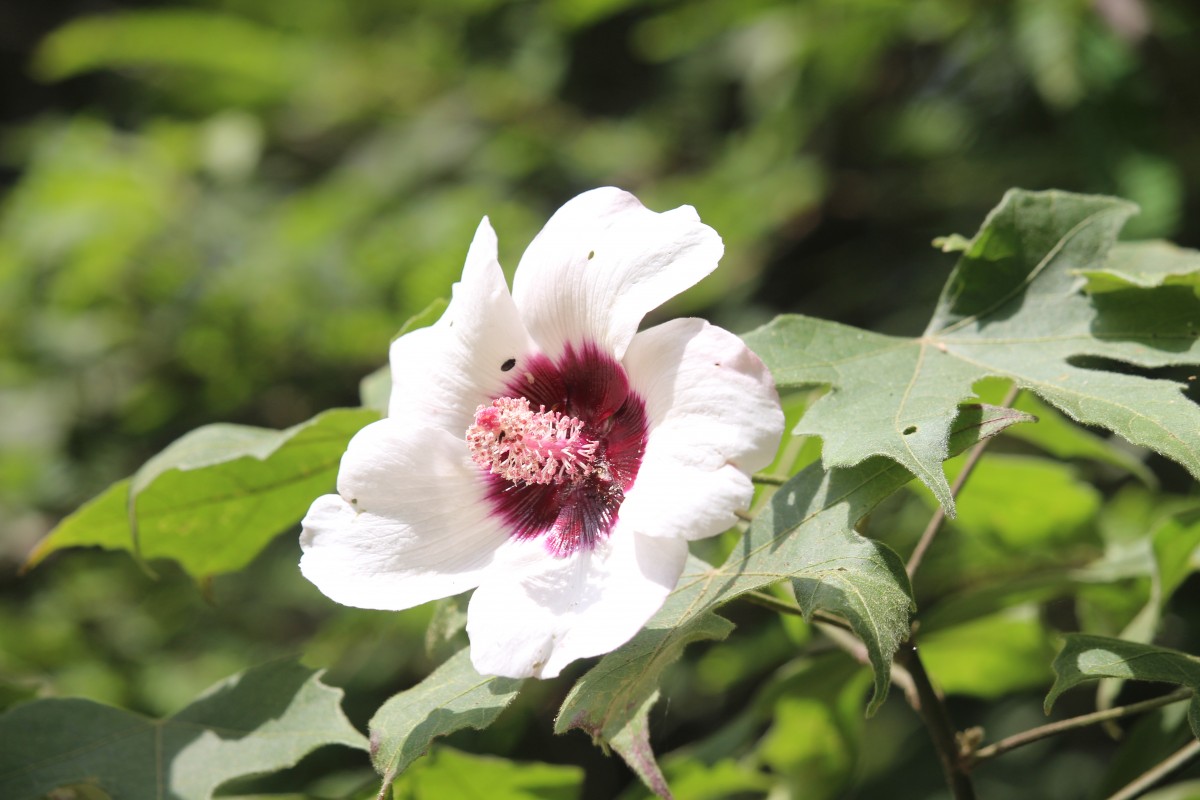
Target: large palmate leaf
<point>453,697</point>
<point>1087,658</point>
<point>216,497</point>
<point>1014,307</point>
<point>805,534</point>
<point>260,721</point>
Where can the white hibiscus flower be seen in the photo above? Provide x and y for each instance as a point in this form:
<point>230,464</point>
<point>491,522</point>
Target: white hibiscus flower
<point>542,451</point>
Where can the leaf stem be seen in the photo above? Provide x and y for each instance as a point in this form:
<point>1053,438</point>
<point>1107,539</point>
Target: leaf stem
<point>937,720</point>
<point>1062,726</point>
<point>774,603</point>
<point>939,516</point>
<point>760,598</point>
<point>1159,771</point>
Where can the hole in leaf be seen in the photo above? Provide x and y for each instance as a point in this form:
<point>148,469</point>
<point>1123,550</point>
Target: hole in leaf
<point>910,430</point>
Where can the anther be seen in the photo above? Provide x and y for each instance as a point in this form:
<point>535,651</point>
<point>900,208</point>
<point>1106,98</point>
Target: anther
<point>510,439</point>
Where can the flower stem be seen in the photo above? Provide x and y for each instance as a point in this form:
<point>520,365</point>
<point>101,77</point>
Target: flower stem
<point>939,516</point>
<point>1062,726</point>
<point>937,720</point>
<point>1159,771</point>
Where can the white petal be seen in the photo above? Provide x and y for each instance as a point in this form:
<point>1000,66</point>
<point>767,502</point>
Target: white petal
<point>602,262</point>
<point>535,613</point>
<point>410,523</point>
<point>714,419</point>
<point>442,373</point>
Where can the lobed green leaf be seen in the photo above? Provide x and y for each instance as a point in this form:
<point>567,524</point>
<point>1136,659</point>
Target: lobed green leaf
<point>1012,308</point>
<point>1087,658</point>
<point>805,535</point>
<point>254,723</point>
<point>217,496</point>
<point>452,697</point>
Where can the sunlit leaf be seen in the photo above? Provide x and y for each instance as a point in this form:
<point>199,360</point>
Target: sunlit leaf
<point>992,656</point>
<point>1087,658</point>
<point>220,44</point>
<point>1012,308</point>
<point>806,535</point>
<point>453,697</point>
<point>448,773</point>
<point>994,505</point>
<point>214,498</point>
<point>260,721</point>
<point>1057,435</point>
<point>1145,265</point>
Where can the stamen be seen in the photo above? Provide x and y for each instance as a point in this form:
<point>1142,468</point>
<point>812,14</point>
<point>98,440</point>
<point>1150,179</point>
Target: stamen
<point>521,445</point>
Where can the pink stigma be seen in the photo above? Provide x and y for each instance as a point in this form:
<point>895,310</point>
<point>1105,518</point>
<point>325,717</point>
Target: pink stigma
<point>524,446</point>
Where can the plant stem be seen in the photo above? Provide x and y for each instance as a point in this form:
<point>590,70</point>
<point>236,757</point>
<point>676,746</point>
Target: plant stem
<point>774,603</point>
<point>939,516</point>
<point>1062,726</point>
<point>784,607</point>
<point>1158,772</point>
<point>937,720</point>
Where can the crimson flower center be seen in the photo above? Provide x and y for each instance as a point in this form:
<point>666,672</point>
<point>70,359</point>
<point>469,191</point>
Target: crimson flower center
<point>510,439</point>
<point>560,446</point>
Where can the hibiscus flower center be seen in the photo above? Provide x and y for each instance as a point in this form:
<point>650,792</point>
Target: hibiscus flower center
<point>561,447</point>
<point>521,445</point>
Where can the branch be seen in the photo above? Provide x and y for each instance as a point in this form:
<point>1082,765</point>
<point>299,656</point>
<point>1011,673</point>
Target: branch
<point>1158,772</point>
<point>939,516</point>
<point>845,640</point>
<point>1062,726</point>
<point>941,729</point>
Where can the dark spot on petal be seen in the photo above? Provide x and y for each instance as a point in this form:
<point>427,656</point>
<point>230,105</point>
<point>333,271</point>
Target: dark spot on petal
<point>507,365</point>
<point>910,430</point>
<point>591,254</point>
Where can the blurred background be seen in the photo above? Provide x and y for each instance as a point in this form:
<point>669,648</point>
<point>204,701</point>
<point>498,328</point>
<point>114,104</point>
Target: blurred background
<point>224,209</point>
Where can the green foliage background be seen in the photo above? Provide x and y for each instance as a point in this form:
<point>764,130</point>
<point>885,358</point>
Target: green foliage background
<point>223,210</point>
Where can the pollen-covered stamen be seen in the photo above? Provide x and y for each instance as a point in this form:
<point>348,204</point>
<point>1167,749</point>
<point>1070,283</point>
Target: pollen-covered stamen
<point>519,444</point>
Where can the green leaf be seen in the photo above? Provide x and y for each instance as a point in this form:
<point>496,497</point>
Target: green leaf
<point>453,697</point>
<point>217,496</point>
<point>1063,439</point>
<point>257,722</point>
<point>446,633</point>
<point>1012,308</point>
<point>449,773</point>
<point>995,505</point>
<point>1145,265</point>
<point>805,534</point>
<point>613,700</point>
<point>222,45</point>
<point>1089,658</point>
<point>992,656</point>
<point>1188,790</point>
